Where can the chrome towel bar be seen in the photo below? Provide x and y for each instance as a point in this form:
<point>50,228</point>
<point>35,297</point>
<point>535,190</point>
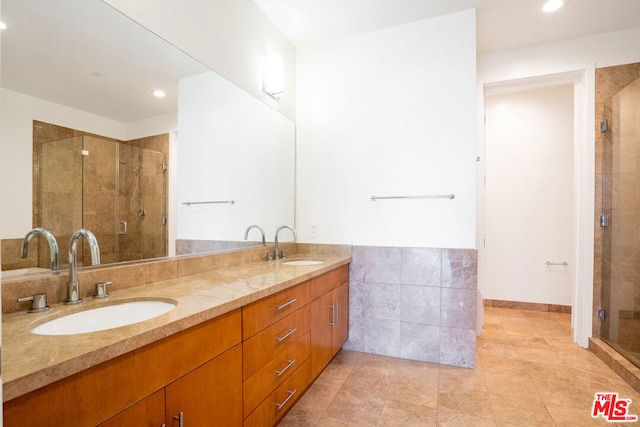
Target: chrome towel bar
<point>564,263</point>
<point>231,202</point>
<point>427,196</point>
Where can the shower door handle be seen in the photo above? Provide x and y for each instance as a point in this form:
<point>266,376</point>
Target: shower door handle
<point>123,227</point>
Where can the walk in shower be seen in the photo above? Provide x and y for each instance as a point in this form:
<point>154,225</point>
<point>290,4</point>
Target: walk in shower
<point>115,189</point>
<point>619,221</point>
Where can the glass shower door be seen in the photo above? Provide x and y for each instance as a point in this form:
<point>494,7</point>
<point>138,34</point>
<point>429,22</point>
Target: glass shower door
<point>58,204</point>
<point>621,209</point>
<point>141,217</point>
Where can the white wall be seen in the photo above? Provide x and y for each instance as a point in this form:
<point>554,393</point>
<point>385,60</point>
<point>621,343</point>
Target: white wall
<point>529,195</point>
<point>229,36</point>
<point>16,148</point>
<point>232,147</point>
<point>390,112</point>
<point>603,50</point>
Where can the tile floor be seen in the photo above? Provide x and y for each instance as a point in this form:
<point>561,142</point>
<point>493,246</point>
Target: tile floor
<point>528,373</point>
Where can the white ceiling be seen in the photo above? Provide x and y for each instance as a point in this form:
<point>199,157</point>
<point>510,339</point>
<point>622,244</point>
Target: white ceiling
<point>87,55</point>
<point>71,46</point>
<point>501,24</point>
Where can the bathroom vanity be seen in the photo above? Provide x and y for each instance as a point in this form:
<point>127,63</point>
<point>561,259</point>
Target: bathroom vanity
<point>241,346</point>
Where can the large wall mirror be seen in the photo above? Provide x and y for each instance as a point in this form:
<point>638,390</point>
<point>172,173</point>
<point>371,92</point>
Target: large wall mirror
<point>85,144</point>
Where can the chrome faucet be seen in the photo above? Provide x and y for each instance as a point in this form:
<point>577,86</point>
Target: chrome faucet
<point>246,233</point>
<point>94,249</point>
<point>53,247</point>
<point>276,255</point>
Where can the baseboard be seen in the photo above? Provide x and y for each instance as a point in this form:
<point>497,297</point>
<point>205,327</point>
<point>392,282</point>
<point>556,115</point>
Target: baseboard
<point>532,306</point>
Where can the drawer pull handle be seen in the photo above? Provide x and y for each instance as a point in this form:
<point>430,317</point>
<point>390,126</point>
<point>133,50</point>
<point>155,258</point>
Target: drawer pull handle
<point>284,402</point>
<point>179,418</point>
<point>337,312</point>
<point>287,335</point>
<point>283,370</point>
<point>333,315</point>
<point>286,304</point>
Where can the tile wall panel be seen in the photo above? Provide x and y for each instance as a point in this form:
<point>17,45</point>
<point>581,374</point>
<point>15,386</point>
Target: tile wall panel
<point>414,303</point>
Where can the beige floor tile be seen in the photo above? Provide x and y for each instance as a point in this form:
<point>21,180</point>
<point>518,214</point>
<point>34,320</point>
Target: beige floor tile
<point>460,379</point>
<point>395,413</point>
<point>449,418</point>
<point>510,410</point>
<point>471,402</point>
<point>528,373</point>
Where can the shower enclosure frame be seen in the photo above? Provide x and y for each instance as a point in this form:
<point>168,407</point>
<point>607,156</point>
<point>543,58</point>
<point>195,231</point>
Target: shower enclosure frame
<point>619,310</point>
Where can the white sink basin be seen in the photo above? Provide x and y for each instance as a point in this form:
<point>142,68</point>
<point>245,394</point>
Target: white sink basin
<point>103,318</point>
<point>303,262</point>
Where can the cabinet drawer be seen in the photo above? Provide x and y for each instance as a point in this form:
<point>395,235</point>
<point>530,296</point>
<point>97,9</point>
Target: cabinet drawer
<point>322,284</point>
<point>259,385</point>
<point>260,314</point>
<point>282,399</point>
<point>264,346</point>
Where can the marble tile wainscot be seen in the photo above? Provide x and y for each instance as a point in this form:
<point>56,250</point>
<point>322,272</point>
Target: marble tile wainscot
<point>414,303</point>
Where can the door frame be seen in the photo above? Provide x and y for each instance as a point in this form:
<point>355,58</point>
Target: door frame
<point>583,80</point>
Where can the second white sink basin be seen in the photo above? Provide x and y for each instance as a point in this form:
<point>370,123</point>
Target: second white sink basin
<point>103,318</point>
<point>303,262</point>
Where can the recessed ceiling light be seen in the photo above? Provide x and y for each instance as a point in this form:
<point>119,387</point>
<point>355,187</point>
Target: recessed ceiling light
<point>552,5</point>
<point>3,26</point>
<point>159,93</point>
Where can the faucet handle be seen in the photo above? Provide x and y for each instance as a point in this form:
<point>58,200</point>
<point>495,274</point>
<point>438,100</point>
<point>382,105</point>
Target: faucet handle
<point>38,303</point>
<point>101,290</point>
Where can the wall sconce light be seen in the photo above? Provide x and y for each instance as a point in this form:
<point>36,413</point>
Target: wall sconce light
<point>552,5</point>
<point>273,75</point>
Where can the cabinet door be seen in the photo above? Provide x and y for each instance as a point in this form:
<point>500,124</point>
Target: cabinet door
<point>149,412</point>
<point>321,333</point>
<point>341,328</point>
<point>210,395</point>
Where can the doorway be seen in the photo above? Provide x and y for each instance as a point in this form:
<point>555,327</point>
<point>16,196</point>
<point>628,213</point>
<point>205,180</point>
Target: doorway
<point>529,198</point>
<point>582,79</point>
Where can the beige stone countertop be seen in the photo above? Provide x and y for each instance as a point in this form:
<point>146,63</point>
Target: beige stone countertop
<point>31,361</point>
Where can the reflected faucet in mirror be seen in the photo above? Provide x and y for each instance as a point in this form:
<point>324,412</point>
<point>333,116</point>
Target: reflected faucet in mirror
<point>276,254</point>
<point>53,246</point>
<point>94,249</point>
<point>246,233</point>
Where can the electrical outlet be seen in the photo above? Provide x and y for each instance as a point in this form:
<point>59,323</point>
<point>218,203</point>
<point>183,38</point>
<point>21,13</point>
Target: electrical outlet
<point>314,231</point>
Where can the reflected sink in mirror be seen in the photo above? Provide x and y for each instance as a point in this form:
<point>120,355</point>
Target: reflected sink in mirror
<point>105,317</point>
<point>303,262</point>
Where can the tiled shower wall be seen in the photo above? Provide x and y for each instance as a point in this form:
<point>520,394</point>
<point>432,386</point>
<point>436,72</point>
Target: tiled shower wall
<point>414,303</point>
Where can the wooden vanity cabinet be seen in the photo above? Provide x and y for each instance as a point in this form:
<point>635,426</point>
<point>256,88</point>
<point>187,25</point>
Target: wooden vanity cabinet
<point>276,351</point>
<point>204,361</point>
<point>247,367</point>
<point>149,412</point>
<point>211,395</point>
<point>329,317</point>
<point>316,323</point>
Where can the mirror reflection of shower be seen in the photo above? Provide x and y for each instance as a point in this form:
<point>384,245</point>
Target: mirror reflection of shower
<point>117,189</point>
<point>137,200</point>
